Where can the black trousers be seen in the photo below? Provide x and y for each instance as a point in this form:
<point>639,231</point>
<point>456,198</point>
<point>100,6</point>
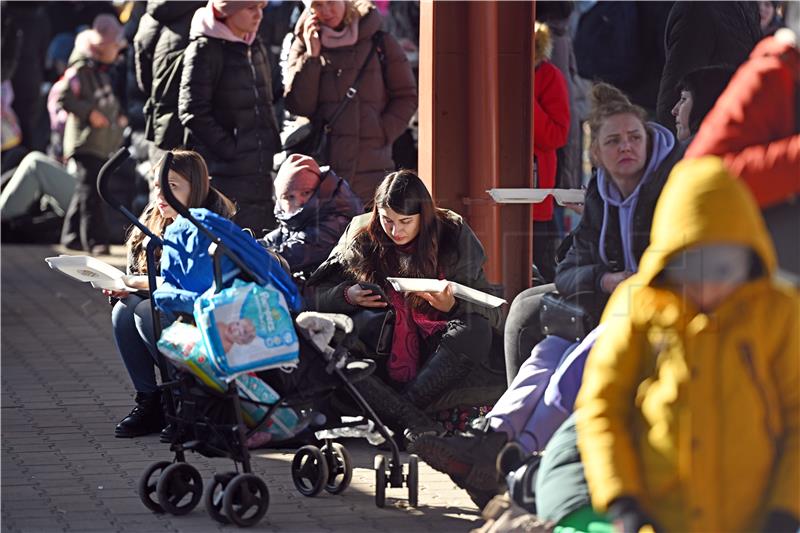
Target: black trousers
<point>523,328</point>
<point>253,198</point>
<point>85,223</point>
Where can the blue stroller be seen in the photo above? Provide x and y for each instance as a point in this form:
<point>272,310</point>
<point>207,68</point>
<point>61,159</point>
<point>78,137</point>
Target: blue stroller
<point>210,421</point>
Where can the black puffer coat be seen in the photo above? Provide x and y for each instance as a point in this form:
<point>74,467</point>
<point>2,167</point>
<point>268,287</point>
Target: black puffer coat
<point>578,274</point>
<point>226,104</point>
<point>701,34</point>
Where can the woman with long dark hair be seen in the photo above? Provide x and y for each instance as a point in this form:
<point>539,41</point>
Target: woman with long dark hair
<point>437,339</point>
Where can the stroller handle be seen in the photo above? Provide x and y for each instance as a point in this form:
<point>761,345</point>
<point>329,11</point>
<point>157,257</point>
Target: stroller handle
<point>108,169</point>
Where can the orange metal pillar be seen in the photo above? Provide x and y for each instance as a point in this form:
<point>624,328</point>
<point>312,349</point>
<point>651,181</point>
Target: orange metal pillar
<point>475,122</point>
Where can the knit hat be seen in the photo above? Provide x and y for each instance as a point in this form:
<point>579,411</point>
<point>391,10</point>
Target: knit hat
<point>225,8</point>
<point>106,29</point>
<point>706,85</point>
<point>293,165</point>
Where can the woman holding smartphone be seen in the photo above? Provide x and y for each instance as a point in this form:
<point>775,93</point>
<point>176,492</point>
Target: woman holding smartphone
<point>438,340</point>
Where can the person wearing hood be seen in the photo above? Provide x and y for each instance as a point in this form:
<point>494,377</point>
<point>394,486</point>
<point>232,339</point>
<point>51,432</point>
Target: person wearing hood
<point>550,130</point>
<point>688,418</point>
<point>225,103</point>
<point>633,159</point>
<point>332,41</point>
<point>314,206</point>
<point>755,129</point>
<point>93,129</point>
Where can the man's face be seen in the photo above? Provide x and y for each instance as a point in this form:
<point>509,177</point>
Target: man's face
<point>297,191</point>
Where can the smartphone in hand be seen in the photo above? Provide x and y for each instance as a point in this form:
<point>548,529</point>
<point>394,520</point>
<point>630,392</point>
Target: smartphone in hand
<point>376,289</point>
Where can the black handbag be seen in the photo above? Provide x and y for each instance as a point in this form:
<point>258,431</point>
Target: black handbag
<point>563,318</point>
<point>313,138</point>
<point>375,328</point>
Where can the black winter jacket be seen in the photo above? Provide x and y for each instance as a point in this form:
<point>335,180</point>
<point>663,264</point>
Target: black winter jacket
<point>226,104</point>
<point>306,238</point>
<point>701,34</point>
<point>578,274</point>
<point>163,30</point>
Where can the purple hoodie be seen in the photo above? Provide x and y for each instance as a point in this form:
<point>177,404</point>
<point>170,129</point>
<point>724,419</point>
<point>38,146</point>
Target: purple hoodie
<point>662,144</point>
<point>205,25</point>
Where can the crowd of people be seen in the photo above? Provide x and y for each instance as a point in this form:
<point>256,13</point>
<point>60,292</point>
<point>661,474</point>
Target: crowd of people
<point>653,369</point>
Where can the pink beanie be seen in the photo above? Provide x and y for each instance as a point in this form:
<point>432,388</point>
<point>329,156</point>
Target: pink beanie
<point>292,166</point>
<point>225,8</point>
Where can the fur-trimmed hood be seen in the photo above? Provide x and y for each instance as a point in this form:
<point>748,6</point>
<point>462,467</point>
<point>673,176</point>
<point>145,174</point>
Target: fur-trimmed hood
<point>543,44</point>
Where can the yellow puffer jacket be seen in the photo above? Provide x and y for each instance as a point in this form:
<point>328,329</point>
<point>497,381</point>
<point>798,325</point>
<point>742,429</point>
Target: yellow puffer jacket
<point>697,416</point>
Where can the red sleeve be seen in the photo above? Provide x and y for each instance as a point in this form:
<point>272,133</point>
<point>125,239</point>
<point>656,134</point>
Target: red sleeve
<point>550,109</point>
<point>752,128</point>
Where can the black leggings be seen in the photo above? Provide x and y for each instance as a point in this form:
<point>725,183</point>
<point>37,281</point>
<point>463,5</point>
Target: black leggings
<point>523,329</point>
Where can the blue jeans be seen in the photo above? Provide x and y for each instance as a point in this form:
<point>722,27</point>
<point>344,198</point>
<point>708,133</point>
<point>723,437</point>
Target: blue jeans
<point>132,323</point>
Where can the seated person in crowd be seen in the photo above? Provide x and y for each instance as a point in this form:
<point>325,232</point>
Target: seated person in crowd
<point>689,414</point>
<point>314,206</point>
<point>634,158</point>
<point>37,178</point>
<point>437,339</point>
<point>699,92</point>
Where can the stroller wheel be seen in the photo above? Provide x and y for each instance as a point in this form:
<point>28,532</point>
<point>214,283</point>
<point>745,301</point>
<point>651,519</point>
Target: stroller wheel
<point>246,500</point>
<point>340,468</point>
<point>309,470</point>
<point>214,494</point>
<point>179,488</point>
<point>147,485</point>
<point>412,480</point>
<point>380,480</point>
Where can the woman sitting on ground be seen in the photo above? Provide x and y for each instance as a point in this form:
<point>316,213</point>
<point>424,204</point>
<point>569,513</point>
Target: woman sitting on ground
<point>131,317</point>
<point>437,339</point>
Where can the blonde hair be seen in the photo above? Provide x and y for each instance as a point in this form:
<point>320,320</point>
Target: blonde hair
<point>608,101</point>
<point>192,167</point>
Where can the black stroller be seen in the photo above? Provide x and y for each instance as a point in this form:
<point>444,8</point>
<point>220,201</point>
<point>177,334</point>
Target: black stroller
<point>211,423</point>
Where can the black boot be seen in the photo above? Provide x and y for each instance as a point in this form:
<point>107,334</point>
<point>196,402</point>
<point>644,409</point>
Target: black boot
<point>470,458</point>
<point>396,410</point>
<point>445,369</point>
<point>146,417</point>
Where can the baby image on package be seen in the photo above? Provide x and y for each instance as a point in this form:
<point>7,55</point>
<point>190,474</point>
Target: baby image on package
<point>247,327</point>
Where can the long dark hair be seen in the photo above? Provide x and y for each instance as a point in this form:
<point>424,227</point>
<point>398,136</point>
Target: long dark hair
<point>192,167</point>
<point>374,256</point>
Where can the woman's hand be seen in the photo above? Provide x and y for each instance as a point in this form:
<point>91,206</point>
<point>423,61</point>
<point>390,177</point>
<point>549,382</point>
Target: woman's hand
<point>610,280</point>
<point>98,120</point>
<point>441,301</point>
<point>355,295</point>
<point>578,208</point>
<point>116,294</point>
<point>311,36</point>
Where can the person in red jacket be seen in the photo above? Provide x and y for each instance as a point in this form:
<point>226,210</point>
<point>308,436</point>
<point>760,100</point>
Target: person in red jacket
<point>755,128</point>
<point>550,130</point>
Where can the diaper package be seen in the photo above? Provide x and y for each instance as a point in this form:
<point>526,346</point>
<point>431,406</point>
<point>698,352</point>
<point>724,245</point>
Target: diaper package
<point>183,345</point>
<point>247,327</point>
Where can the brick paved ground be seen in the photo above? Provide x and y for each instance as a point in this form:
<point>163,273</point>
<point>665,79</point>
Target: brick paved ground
<point>64,388</point>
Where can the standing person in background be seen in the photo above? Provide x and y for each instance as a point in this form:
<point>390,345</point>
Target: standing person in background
<point>332,41</point>
<point>93,130</point>
<point>701,34</point>
<point>225,103</point>
<point>771,20</point>
<point>550,130</point>
<point>755,129</point>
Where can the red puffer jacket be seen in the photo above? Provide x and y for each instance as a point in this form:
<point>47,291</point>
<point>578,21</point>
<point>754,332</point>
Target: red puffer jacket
<point>753,125</point>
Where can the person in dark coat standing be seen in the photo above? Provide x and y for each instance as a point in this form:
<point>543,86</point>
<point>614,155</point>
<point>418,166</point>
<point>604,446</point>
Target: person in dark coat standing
<point>701,34</point>
<point>332,41</point>
<point>313,208</point>
<point>225,103</point>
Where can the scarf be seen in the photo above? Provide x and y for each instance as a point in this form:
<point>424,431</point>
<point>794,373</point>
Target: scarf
<point>411,324</point>
<point>330,38</point>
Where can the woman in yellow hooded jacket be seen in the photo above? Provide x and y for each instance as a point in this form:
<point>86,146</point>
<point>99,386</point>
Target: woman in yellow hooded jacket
<point>688,418</point>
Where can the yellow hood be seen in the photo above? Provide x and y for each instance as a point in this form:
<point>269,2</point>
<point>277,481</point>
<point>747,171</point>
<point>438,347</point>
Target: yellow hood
<point>702,203</point>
